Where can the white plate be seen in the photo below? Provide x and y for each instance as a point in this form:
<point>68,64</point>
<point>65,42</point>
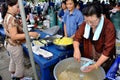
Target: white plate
<point>29,26</point>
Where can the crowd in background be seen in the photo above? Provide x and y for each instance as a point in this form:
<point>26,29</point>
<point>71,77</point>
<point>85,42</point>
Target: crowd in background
<point>42,9</point>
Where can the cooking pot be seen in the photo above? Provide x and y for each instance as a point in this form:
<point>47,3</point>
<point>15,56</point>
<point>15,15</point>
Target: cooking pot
<point>63,47</point>
<point>69,69</point>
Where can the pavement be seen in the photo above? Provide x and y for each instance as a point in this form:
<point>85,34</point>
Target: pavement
<point>4,64</point>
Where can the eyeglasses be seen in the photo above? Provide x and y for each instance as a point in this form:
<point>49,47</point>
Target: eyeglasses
<point>92,21</point>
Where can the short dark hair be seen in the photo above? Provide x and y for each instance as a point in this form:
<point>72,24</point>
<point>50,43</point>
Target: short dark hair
<point>63,2</point>
<point>74,1</point>
<point>92,9</point>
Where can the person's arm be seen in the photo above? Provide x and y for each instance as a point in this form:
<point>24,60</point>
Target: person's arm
<point>78,38</point>
<point>65,31</point>
<point>110,38</point>
<point>101,60</point>
<point>64,21</point>
<point>14,35</point>
<point>20,36</point>
<point>77,53</point>
<point>73,36</point>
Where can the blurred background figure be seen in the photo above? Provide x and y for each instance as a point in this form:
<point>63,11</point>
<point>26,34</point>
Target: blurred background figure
<point>27,11</point>
<point>60,17</point>
<point>39,10</point>
<point>78,6</point>
<point>45,7</point>
<point>115,18</point>
<point>62,10</point>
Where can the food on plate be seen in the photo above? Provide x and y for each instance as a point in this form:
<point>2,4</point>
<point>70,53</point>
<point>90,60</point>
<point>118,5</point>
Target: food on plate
<point>63,41</point>
<point>43,41</point>
<point>36,42</point>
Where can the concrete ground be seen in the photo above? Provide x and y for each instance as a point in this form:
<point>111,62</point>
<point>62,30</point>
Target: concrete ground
<point>4,64</point>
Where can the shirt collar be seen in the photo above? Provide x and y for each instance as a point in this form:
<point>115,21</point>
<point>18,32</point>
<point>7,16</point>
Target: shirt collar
<point>73,13</point>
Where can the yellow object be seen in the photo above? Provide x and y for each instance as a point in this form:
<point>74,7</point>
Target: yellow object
<point>36,42</point>
<point>63,41</point>
<point>117,43</point>
<point>44,41</point>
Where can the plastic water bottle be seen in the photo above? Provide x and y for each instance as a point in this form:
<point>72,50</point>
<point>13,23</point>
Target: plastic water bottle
<point>85,65</point>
